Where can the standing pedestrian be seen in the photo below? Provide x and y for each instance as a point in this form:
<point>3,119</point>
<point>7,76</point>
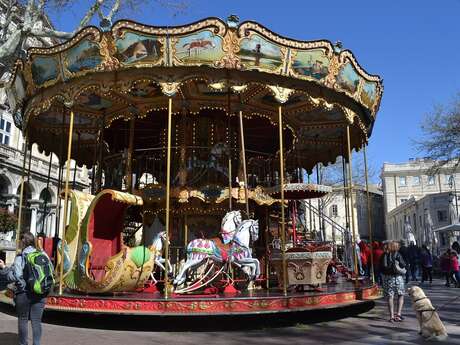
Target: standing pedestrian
<point>445,264</point>
<point>404,251</point>
<point>393,268</point>
<point>455,274</point>
<point>427,264</point>
<point>29,304</point>
<point>414,260</point>
<point>377,253</point>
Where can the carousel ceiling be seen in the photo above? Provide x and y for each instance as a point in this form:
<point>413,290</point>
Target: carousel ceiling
<point>132,70</point>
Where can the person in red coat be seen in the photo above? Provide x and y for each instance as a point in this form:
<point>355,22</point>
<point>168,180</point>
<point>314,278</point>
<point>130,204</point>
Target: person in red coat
<point>365,254</point>
<point>377,253</point>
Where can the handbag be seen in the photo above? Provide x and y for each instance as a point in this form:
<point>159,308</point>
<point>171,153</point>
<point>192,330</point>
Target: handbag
<point>397,269</point>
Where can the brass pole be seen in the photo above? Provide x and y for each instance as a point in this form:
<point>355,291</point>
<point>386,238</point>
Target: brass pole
<point>168,187</point>
<point>283,233</point>
<point>66,197</point>
<point>21,196</point>
<point>352,214</point>
<point>185,235</point>
<point>230,181</point>
<point>245,177</point>
<point>267,260</point>
<point>129,163</point>
<point>369,215</point>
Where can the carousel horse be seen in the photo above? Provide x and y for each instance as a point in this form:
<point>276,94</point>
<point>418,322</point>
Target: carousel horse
<point>156,248</point>
<point>234,231</point>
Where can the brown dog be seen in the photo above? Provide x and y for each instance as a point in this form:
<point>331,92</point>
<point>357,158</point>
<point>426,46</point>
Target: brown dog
<point>431,326</point>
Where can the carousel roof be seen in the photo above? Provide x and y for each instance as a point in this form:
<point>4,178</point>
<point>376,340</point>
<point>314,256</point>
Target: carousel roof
<point>210,65</point>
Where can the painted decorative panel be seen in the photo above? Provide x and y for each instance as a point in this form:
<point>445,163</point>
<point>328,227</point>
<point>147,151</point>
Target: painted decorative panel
<point>84,56</point>
<point>44,68</point>
<point>203,47</point>
<point>134,47</point>
<point>348,78</point>
<point>313,63</point>
<point>257,52</point>
<point>369,94</point>
<point>94,101</point>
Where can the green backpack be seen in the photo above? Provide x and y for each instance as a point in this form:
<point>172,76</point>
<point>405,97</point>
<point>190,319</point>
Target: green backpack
<point>38,273</point>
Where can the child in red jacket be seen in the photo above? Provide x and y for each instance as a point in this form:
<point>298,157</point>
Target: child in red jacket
<point>455,274</point>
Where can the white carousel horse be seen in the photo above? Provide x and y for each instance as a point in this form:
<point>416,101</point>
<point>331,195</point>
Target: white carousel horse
<point>234,231</point>
<point>156,248</point>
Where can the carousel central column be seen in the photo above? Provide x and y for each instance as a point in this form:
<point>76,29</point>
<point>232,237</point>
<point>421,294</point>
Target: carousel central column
<point>66,198</point>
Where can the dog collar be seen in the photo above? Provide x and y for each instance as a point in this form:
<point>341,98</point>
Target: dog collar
<point>420,299</point>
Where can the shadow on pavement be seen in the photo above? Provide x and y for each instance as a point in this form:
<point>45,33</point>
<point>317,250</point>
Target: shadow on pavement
<point>7,338</point>
<point>209,323</point>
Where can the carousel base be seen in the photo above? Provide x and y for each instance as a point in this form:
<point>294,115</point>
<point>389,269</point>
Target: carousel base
<point>329,296</point>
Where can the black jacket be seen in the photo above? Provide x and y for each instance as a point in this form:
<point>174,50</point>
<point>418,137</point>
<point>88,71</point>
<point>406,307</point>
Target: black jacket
<point>387,262</point>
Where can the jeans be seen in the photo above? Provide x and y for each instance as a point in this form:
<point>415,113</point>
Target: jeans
<point>427,274</point>
<point>26,308</point>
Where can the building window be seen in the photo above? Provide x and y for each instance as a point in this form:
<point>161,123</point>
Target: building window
<point>431,180</point>
<point>450,180</point>
<point>402,180</point>
<point>5,132</point>
<point>442,216</point>
<point>334,211</point>
<point>416,180</point>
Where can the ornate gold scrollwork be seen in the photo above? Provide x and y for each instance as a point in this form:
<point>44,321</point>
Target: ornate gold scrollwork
<point>170,88</point>
<point>108,51</point>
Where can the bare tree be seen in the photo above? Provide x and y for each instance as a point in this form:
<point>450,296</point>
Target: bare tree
<point>26,20</point>
<point>441,135</point>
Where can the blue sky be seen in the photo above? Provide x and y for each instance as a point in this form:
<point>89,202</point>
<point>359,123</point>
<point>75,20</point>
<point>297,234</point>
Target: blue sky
<point>412,44</point>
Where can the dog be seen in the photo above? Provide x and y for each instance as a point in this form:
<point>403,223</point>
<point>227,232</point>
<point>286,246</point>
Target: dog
<point>431,326</point>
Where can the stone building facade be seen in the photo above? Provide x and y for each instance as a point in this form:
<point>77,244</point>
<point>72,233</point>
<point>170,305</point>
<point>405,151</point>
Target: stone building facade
<point>334,220</point>
<point>413,185</point>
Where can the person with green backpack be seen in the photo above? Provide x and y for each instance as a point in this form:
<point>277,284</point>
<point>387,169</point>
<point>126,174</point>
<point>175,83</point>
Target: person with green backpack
<point>32,275</point>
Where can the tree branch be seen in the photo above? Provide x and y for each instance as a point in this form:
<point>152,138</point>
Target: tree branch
<point>114,10</point>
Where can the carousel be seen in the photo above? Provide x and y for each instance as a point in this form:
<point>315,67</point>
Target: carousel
<point>198,139</point>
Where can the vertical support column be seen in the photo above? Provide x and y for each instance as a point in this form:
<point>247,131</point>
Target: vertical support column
<point>267,260</point>
<point>352,213</point>
<point>66,199</point>
<point>369,214</point>
<point>230,207</point>
<point>185,235</point>
<point>283,228</point>
<point>245,176</point>
<point>21,197</point>
<point>129,163</point>
<point>168,187</point>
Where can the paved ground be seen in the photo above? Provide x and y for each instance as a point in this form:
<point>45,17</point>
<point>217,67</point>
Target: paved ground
<point>371,327</point>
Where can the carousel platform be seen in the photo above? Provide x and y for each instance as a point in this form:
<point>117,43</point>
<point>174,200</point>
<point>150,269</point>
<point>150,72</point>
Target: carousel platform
<point>329,296</point>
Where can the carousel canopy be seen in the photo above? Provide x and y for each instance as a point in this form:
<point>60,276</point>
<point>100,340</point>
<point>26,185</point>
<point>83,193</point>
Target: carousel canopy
<point>209,68</point>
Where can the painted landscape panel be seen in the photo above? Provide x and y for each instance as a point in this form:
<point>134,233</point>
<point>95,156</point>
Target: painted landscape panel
<point>44,68</point>
<point>201,48</point>
<point>313,63</point>
<point>94,101</point>
<point>348,78</point>
<point>84,56</point>
<point>134,47</point>
<point>369,94</point>
<point>257,52</point>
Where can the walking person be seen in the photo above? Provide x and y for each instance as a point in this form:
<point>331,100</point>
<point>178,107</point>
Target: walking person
<point>29,301</point>
<point>394,269</point>
<point>427,264</point>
